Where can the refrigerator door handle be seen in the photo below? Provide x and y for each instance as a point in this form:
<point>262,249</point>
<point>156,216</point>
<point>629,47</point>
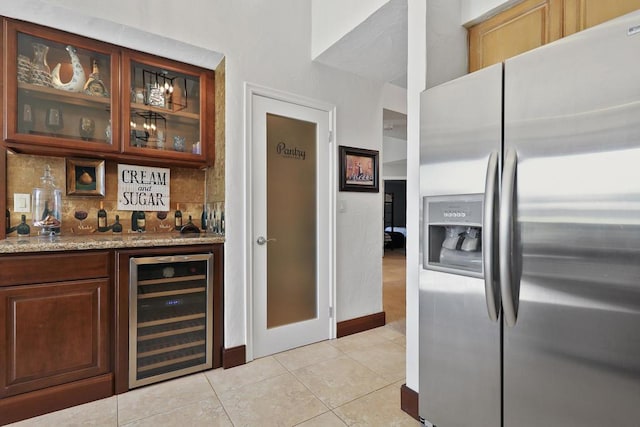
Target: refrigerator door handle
<point>492,295</point>
<point>505,240</point>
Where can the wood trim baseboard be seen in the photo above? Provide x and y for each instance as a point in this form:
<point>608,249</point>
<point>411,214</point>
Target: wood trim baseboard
<point>32,404</point>
<point>360,324</point>
<point>409,401</point>
<point>234,356</point>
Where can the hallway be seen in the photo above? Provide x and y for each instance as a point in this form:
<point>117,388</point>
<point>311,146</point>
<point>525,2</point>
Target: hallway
<point>394,288</point>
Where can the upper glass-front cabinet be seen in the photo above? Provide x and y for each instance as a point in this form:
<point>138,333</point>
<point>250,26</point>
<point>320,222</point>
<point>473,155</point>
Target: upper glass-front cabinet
<point>62,89</point>
<point>164,116</point>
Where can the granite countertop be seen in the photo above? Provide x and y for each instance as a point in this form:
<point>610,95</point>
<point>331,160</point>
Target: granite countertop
<point>106,241</point>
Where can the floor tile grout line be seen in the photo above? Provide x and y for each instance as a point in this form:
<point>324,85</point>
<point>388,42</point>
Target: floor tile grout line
<point>305,366</point>
<point>226,412</point>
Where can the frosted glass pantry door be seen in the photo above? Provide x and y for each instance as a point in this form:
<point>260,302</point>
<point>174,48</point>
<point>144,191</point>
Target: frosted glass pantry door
<point>290,239</point>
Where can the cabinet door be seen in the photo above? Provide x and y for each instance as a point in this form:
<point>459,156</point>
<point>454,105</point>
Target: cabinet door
<point>528,25</point>
<point>53,334</point>
<point>166,114</point>
<point>62,90</point>
<point>582,14</point>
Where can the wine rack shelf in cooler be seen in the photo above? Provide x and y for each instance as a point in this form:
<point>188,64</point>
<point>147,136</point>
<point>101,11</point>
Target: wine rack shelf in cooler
<point>170,317</point>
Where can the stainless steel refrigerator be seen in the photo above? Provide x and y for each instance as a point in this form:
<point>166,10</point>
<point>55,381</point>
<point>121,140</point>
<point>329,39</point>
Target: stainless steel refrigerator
<point>530,274</point>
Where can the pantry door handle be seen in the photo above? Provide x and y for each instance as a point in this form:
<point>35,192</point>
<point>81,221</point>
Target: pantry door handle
<point>261,240</point>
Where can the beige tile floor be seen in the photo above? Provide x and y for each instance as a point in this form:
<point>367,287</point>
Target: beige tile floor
<point>351,381</point>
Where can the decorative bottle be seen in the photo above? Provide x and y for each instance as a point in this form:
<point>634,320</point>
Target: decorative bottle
<point>23,229</point>
<point>141,222</point>
<point>177,216</point>
<point>46,203</point>
<point>203,218</point>
<point>117,227</point>
<point>134,221</point>
<point>102,218</point>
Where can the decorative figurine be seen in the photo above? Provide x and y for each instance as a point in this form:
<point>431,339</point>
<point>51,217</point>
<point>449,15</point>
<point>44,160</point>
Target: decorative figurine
<point>87,128</point>
<point>76,84</point>
<point>178,143</point>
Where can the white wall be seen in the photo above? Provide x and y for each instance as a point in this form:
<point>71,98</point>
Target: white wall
<point>394,149</point>
<point>332,19</point>
<point>438,53</point>
<point>394,98</point>
<point>265,42</point>
<point>395,170</point>
<point>447,49</point>
<point>416,83</point>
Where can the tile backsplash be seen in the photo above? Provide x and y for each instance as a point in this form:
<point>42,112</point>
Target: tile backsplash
<point>24,172</point>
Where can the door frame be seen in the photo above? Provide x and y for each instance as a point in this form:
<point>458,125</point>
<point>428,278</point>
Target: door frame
<point>251,90</point>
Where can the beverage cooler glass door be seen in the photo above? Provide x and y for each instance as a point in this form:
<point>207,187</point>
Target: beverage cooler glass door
<point>170,324</point>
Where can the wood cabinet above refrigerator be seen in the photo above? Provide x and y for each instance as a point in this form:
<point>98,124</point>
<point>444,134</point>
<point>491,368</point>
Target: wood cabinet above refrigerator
<point>532,23</point>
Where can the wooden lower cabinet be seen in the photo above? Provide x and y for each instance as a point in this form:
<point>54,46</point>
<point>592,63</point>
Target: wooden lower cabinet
<point>55,336</point>
<point>64,326</point>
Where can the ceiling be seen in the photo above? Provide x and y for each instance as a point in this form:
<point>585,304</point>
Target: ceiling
<point>377,48</point>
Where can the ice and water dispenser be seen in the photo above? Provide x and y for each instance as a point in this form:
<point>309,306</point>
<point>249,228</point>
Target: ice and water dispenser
<point>453,234</point>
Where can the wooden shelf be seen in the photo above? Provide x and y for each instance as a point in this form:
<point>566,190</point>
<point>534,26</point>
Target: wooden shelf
<point>60,135</point>
<point>63,96</point>
<point>171,293</point>
<point>172,280</point>
<point>171,362</point>
<point>164,112</point>
<point>168,320</point>
<point>170,333</point>
<point>171,348</point>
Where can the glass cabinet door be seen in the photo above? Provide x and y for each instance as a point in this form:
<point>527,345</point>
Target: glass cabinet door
<point>164,115</point>
<point>62,90</point>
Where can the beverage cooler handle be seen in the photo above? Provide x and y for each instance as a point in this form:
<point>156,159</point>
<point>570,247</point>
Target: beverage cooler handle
<point>505,242</point>
<point>488,221</point>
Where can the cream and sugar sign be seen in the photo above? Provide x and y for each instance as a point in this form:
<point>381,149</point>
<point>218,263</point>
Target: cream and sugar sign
<point>142,188</point>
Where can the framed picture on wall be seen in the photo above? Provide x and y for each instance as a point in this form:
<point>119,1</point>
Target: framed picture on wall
<point>359,169</point>
<point>85,177</point>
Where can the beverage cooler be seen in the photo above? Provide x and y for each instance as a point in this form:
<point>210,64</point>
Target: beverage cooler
<point>170,317</point>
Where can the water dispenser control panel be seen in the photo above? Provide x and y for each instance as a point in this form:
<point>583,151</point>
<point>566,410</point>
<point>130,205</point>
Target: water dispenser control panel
<point>453,234</point>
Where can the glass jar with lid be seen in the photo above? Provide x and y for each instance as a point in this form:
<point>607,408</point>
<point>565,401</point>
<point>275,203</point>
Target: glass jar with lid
<point>46,203</point>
